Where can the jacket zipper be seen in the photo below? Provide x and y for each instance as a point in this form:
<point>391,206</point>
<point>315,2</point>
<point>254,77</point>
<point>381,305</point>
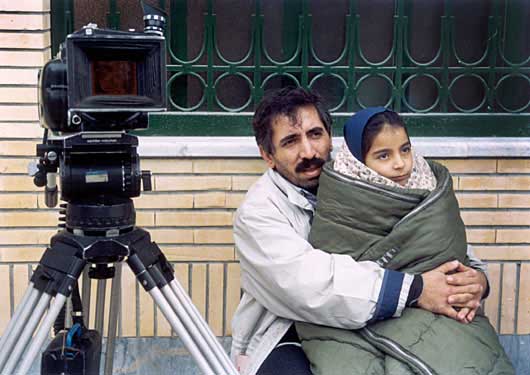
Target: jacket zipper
<point>389,344</point>
<point>426,202</point>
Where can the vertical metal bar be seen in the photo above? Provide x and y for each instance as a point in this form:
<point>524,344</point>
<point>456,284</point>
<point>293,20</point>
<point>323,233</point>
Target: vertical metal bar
<point>516,302</point>
<point>61,22</point>
<point>137,312</point>
<point>113,16</point>
<point>305,19</point>
<point>291,22</point>
<point>399,19</point>
<point>225,279</point>
<point>445,44</point>
<point>115,302</point>
<point>352,21</point>
<point>11,291</point>
<point>177,41</point>
<point>258,35</point>
<point>85,298</point>
<point>100,305</point>
<point>207,294</point>
<point>499,314</point>
<point>69,17</point>
<point>512,47</point>
<point>210,47</point>
<point>514,24</point>
<point>493,35</point>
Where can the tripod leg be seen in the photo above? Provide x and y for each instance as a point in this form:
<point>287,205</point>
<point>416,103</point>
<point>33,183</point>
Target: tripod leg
<point>17,312</point>
<point>17,323</point>
<point>42,333</point>
<point>181,331</point>
<point>202,326</point>
<point>113,319</point>
<point>199,330</point>
<point>85,297</point>
<point>26,334</point>
<point>148,283</point>
<point>100,305</point>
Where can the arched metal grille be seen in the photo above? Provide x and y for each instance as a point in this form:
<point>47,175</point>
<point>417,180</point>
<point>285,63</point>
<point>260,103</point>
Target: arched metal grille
<point>443,56</point>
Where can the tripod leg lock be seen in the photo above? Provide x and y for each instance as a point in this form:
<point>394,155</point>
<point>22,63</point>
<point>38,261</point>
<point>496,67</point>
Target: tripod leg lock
<point>58,270</point>
<point>141,273</point>
<point>152,258</point>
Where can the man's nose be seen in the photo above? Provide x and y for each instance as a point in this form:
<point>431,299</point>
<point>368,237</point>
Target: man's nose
<point>307,151</point>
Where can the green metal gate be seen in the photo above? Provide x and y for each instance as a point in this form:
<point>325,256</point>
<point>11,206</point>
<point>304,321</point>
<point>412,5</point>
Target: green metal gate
<point>452,67</point>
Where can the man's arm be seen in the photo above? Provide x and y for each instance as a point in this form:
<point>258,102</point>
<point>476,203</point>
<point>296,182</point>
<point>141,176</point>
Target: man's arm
<point>293,280</point>
<point>474,278</point>
<point>464,289</point>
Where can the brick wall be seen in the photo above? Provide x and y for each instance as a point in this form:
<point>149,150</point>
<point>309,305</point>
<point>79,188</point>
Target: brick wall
<point>190,211</point>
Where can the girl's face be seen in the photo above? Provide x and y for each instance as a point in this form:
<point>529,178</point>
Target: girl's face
<point>391,154</point>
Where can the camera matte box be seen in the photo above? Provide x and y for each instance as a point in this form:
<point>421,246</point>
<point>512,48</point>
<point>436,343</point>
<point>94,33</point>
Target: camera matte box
<point>113,72</point>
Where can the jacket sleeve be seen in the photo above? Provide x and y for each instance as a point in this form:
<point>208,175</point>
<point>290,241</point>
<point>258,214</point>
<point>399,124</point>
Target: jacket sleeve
<point>479,265</point>
<point>476,263</point>
<point>290,278</point>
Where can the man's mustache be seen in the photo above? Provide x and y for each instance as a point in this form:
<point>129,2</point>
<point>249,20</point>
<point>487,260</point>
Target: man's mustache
<point>309,164</point>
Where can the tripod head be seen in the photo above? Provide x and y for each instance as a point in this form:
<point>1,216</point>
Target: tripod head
<point>98,167</point>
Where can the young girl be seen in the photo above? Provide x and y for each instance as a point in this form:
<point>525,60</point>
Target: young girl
<point>379,201</point>
<point>379,151</point>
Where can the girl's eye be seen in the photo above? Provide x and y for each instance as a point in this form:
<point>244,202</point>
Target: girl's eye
<point>383,156</point>
<point>406,149</point>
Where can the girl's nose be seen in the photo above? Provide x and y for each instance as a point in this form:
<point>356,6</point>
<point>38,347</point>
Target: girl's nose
<point>399,162</point>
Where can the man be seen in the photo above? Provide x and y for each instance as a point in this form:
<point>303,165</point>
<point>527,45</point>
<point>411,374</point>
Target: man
<point>285,279</point>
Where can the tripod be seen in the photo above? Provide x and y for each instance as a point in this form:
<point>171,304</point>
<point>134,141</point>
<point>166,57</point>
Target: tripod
<point>109,236</point>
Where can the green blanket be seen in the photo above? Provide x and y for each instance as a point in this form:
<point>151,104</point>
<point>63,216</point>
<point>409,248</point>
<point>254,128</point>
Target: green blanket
<point>407,230</point>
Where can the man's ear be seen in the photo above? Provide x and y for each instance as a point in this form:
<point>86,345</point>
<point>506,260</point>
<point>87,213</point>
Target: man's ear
<point>267,157</point>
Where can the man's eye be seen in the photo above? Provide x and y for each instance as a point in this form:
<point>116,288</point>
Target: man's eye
<point>288,142</point>
<point>317,134</point>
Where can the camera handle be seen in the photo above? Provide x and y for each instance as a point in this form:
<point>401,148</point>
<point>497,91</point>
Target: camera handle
<point>60,267</point>
<point>44,171</point>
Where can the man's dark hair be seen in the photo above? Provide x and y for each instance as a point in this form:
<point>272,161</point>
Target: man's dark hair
<point>286,102</point>
<point>376,124</point>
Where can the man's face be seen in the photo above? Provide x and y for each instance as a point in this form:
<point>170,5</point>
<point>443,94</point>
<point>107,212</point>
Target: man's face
<point>300,147</point>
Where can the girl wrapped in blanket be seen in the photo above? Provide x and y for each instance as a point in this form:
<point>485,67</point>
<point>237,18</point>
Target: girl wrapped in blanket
<point>382,202</point>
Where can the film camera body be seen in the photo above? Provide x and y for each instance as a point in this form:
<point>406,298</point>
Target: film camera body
<point>104,84</point>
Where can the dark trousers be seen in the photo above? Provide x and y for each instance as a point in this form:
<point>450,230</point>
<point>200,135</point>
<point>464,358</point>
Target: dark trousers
<point>287,358</point>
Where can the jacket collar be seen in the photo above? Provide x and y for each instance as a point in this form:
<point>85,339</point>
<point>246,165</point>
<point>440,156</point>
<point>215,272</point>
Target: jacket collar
<point>294,194</point>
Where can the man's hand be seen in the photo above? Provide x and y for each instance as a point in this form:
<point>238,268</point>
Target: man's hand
<point>436,290</point>
<point>469,286</point>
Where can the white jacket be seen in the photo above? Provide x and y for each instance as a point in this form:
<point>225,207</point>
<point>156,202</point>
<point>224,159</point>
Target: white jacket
<point>284,278</point>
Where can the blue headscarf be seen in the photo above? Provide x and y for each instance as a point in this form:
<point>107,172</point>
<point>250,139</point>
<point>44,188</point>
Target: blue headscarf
<point>354,127</point>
